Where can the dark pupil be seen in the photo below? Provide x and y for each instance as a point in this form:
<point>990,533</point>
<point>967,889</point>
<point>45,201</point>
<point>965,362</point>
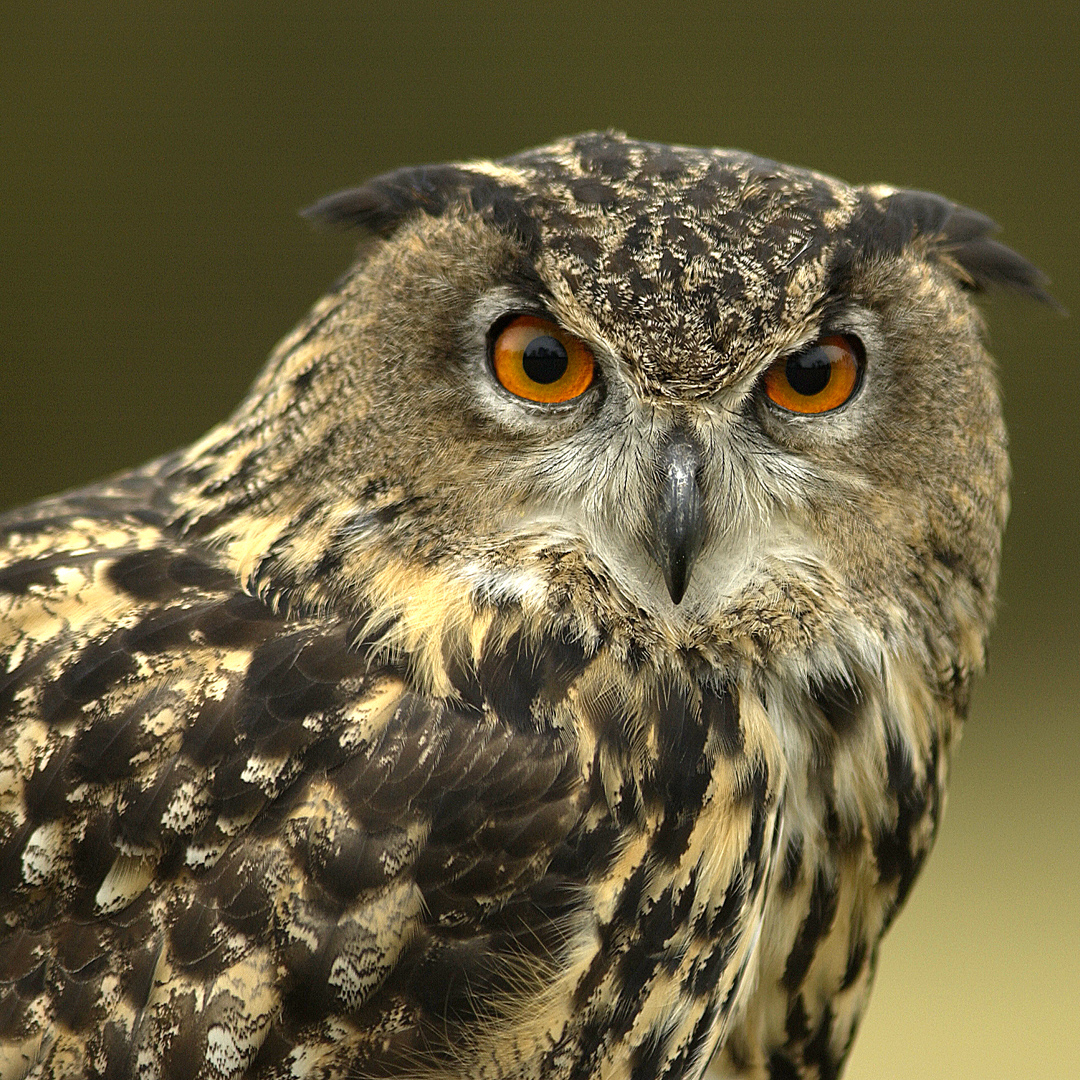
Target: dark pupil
<point>544,359</point>
<point>809,372</point>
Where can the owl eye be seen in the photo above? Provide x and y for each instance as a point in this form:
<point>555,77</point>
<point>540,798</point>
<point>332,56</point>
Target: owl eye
<point>818,379</point>
<point>537,360</point>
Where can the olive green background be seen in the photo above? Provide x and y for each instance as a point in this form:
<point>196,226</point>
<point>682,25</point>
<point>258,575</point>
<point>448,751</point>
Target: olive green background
<point>153,157</point>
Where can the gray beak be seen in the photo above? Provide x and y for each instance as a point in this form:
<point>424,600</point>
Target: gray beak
<point>679,522</point>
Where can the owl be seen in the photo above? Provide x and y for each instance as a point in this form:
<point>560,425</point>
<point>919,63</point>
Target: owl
<point>549,671</point>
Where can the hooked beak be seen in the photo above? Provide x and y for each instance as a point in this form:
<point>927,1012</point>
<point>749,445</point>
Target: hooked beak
<point>679,521</point>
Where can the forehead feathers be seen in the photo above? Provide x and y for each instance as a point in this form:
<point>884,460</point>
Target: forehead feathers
<point>691,262</point>
<point>685,258</point>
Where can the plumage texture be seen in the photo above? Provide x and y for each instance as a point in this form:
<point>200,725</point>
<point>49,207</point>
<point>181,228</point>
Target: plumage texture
<point>363,738</point>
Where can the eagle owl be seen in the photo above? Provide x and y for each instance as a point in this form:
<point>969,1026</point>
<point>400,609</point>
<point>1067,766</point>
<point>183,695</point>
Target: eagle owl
<point>549,671</point>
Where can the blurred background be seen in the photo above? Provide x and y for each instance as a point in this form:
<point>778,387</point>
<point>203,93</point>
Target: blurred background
<point>153,158</point>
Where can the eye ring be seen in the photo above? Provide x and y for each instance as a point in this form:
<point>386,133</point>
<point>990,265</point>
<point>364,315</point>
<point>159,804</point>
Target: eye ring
<point>535,359</point>
<point>819,379</point>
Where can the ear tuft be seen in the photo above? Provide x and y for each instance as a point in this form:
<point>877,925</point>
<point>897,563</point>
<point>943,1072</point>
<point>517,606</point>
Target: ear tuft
<point>380,205</point>
<point>965,237</point>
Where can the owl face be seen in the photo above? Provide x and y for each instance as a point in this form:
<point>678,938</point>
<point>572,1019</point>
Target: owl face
<point>714,384</point>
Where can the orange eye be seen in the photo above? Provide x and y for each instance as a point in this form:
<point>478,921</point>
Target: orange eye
<point>820,378</point>
<point>539,361</point>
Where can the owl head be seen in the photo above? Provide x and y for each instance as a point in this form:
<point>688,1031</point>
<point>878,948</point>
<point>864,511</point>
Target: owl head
<point>648,393</point>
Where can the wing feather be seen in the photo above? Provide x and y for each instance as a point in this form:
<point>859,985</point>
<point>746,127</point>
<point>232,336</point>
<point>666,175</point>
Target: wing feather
<point>238,842</point>
<point>244,824</point>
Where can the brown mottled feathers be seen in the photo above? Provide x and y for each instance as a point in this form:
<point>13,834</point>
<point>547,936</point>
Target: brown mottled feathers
<point>231,839</point>
<point>364,739</point>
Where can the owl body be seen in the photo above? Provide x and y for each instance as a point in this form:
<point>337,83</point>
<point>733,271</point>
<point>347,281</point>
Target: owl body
<point>416,724</point>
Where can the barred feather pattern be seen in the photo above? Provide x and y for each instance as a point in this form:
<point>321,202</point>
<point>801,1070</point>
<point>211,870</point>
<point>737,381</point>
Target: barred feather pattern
<point>240,843</point>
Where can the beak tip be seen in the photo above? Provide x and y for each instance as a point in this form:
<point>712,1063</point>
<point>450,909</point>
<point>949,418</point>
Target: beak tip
<point>676,580</point>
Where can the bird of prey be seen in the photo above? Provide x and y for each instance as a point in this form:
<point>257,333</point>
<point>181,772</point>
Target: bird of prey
<point>548,672</point>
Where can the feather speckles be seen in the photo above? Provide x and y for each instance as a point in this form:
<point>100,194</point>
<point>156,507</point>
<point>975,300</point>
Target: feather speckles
<point>363,738</point>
